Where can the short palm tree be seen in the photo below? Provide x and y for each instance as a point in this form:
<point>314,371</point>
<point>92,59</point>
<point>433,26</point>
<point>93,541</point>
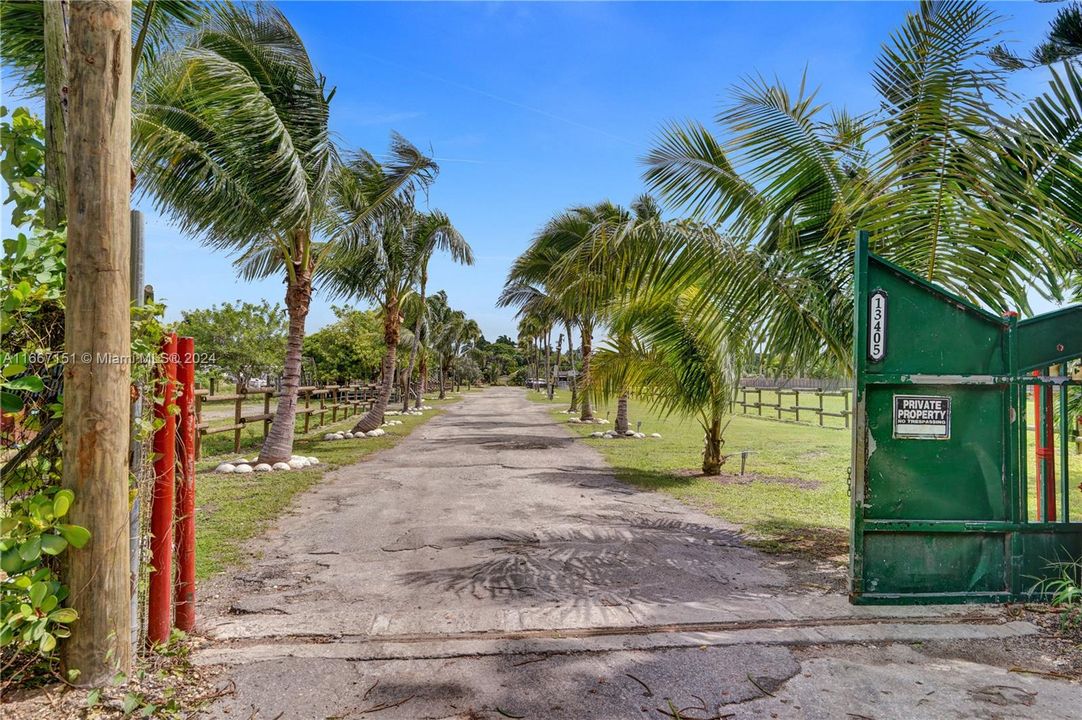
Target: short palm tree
<point>948,187</point>
<point>231,138</point>
<point>669,357</point>
<point>380,260</point>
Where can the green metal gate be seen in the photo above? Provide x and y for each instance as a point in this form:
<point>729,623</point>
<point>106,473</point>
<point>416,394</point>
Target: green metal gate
<point>940,506</point>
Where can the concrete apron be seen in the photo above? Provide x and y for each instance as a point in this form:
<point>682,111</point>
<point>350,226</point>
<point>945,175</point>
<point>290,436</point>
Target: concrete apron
<point>491,542</point>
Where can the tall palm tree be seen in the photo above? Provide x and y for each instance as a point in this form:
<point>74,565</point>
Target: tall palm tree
<point>949,187</point>
<point>231,138</point>
<point>543,267</point>
<point>380,261</point>
<point>460,252</point>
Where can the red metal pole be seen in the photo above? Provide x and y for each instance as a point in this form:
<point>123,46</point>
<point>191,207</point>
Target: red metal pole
<point>161,513</point>
<point>1045,451</point>
<point>185,590</point>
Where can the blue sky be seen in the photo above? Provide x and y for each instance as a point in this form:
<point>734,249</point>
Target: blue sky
<point>534,107</point>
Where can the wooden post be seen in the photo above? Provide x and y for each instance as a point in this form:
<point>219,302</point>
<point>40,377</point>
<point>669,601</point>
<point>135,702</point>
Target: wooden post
<point>97,384</point>
<point>307,407</point>
<point>238,415</point>
<point>322,407</point>
<point>55,22</point>
<point>797,405</point>
<point>266,411</point>
<point>845,399</point>
<point>820,394</point>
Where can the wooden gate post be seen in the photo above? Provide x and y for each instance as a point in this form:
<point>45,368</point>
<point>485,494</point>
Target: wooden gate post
<point>97,336</point>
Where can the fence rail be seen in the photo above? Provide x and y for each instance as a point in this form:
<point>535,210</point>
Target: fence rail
<point>314,404</point>
<point>812,401</point>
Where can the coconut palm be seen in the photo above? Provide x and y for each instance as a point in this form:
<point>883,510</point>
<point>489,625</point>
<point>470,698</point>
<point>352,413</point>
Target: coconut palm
<point>460,252</point>
<point>948,187</point>
<point>570,285</point>
<point>669,357</point>
<point>231,139</point>
<point>380,260</point>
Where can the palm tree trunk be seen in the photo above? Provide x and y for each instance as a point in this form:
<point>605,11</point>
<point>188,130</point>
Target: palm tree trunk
<point>622,422</point>
<point>413,350</point>
<point>587,414</point>
<point>712,459</point>
<point>574,378</point>
<point>548,363</point>
<point>422,378</point>
<point>374,417</point>
<point>278,445</point>
<point>556,368</point>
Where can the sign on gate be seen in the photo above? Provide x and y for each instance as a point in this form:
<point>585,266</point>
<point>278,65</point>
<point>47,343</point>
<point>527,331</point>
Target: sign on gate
<point>940,500</point>
<point>925,417</point>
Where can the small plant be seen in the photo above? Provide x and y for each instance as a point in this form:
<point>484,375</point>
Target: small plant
<point>1065,591</point>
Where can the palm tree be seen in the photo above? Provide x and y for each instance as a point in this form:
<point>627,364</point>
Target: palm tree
<point>670,358</point>
<point>570,285</point>
<point>380,261</point>
<point>231,137</point>
<point>34,48</point>
<point>460,251</point>
<point>948,187</point>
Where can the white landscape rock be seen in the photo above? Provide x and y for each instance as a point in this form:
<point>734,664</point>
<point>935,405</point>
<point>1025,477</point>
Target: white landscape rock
<point>242,469</point>
<point>376,433</point>
<point>313,460</point>
<point>656,436</point>
<point>226,468</point>
<point>347,435</point>
<point>262,467</point>
<point>574,421</point>
<point>597,434</point>
<point>330,436</point>
<point>296,464</point>
<point>608,436</point>
<point>639,435</point>
<point>242,461</point>
<point>629,433</point>
<point>281,466</point>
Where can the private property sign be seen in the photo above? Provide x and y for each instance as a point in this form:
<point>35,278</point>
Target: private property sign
<point>926,417</point>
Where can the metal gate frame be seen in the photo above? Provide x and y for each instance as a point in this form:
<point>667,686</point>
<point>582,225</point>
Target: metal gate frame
<point>939,519</point>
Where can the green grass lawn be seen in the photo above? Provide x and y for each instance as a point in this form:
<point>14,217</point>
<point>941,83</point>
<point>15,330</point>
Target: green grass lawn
<point>794,495</point>
<point>231,509</point>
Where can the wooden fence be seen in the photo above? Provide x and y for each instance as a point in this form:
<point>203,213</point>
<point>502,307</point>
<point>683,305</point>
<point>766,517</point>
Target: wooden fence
<point>314,406</point>
<point>806,400</point>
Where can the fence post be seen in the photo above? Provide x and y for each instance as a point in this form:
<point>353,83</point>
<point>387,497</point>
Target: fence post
<point>307,414</point>
<point>135,548</point>
<point>161,515</point>
<point>819,392</point>
<point>322,406</point>
<point>238,415</point>
<point>845,399</point>
<point>266,411</point>
<point>185,589</point>
<point>198,430</point>
<point>797,406</point>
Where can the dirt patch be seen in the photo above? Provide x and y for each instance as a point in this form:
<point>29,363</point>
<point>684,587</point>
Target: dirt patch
<point>748,478</point>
